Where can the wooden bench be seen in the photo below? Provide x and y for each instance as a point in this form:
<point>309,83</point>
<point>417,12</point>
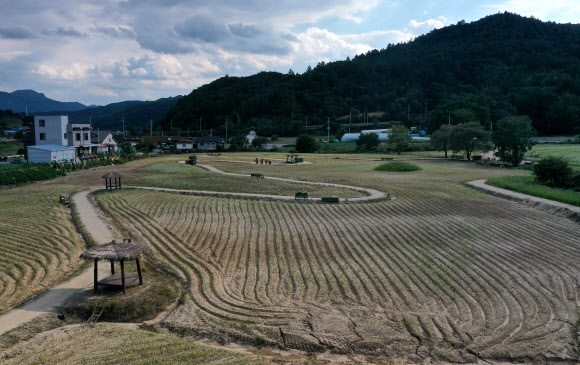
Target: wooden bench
<point>330,199</point>
<point>300,195</point>
<point>257,174</point>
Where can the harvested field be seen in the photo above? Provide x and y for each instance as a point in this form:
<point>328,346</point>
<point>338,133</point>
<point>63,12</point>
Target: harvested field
<point>117,344</point>
<point>39,245</point>
<point>181,176</point>
<point>442,271</point>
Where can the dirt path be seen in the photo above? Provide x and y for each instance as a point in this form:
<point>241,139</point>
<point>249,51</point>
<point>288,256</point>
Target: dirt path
<point>75,289</point>
<point>566,210</point>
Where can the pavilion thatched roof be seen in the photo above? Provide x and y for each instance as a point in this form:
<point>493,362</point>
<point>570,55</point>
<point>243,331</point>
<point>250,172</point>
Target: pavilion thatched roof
<point>115,251</point>
<point>112,175</point>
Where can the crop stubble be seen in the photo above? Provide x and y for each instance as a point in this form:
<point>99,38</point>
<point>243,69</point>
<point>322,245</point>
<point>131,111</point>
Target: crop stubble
<point>454,276</point>
<point>39,245</point>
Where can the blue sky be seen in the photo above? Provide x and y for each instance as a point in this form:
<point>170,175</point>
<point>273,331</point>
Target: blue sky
<point>98,52</point>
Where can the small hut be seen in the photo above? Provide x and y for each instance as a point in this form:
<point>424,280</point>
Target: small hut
<point>291,158</point>
<point>112,180</point>
<point>112,252</point>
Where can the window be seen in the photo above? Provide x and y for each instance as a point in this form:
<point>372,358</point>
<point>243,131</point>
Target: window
<point>184,145</point>
<point>64,136</point>
<point>41,123</point>
<point>43,136</point>
<point>86,136</point>
<point>78,136</point>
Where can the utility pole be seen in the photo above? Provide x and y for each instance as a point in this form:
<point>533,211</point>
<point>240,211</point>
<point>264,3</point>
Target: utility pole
<point>151,121</point>
<point>200,124</point>
<point>226,132</point>
<point>328,130</point>
<point>123,127</point>
<point>408,112</point>
<point>292,113</point>
<point>349,119</point>
<point>238,119</point>
<point>306,120</point>
<point>449,119</point>
<point>425,112</point>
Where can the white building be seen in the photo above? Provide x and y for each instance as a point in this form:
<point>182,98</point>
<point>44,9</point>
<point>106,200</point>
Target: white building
<point>106,141</point>
<point>251,136</point>
<point>48,153</point>
<point>51,130</point>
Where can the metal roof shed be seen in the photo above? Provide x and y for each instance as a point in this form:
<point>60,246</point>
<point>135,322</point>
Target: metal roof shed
<point>50,152</point>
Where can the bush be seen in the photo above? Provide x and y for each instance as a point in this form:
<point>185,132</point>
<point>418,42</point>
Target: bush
<point>397,167</point>
<point>29,173</point>
<point>306,143</point>
<point>554,171</point>
<point>367,142</point>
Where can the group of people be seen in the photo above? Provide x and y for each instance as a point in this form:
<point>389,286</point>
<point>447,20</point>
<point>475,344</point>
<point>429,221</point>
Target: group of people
<point>262,161</point>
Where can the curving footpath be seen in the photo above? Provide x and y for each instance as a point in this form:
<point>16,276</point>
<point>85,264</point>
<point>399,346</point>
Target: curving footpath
<point>561,209</point>
<point>374,195</point>
<point>77,288</point>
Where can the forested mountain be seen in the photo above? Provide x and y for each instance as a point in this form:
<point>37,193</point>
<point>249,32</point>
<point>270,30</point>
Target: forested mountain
<point>20,101</point>
<point>136,113</point>
<point>501,65</point>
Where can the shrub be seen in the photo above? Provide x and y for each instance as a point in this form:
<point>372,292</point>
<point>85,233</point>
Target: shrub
<point>29,173</point>
<point>306,143</point>
<point>553,171</point>
<point>397,166</point>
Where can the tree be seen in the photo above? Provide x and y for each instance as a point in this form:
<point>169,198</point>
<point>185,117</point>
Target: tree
<point>305,143</point>
<point>127,151</point>
<point>259,143</point>
<point>399,138</point>
<point>145,146</point>
<point>512,138</point>
<point>367,141</point>
<point>442,137</point>
<point>553,170</point>
<point>339,133</point>
<point>469,137</point>
<point>238,143</point>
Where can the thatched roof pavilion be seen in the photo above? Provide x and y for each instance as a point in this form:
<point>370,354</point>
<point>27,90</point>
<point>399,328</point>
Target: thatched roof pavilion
<point>116,251</point>
<point>109,184</point>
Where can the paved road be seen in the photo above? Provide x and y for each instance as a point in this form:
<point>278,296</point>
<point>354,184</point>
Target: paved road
<point>78,287</point>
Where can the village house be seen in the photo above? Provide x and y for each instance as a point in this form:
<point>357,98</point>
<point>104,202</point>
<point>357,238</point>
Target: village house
<point>208,143</point>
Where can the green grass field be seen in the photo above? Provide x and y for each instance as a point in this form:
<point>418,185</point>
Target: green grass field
<point>570,151</point>
<point>528,185</point>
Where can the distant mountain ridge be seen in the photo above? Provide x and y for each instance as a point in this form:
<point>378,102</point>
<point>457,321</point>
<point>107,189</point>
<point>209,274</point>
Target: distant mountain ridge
<point>136,113</point>
<point>29,100</point>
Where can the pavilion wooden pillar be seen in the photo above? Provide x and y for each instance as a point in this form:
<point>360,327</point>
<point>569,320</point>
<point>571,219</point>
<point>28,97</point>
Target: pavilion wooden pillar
<point>123,276</point>
<point>139,272</point>
<point>112,267</point>
<point>96,285</point>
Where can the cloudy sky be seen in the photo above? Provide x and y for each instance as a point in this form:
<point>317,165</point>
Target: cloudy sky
<point>103,51</point>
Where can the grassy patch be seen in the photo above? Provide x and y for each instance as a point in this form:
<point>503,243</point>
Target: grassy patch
<point>569,151</point>
<point>397,166</point>
<point>27,173</point>
<point>528,185</point>
<point>141,303</point>
<point>10,147</point>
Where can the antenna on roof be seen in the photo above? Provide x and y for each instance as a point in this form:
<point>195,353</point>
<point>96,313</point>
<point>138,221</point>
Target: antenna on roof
<point>26,110</point>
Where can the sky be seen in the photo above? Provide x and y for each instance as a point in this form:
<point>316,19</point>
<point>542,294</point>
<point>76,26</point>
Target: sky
<point>104,51</point>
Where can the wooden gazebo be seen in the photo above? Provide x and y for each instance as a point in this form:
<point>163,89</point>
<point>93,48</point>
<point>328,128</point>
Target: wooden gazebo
<point>291,158</point>
<point>112,180</point>
<point>116,251</point>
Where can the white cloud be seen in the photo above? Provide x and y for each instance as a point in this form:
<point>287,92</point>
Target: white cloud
<point>10,55</point>
<point>555,10</point>
<point>419,28</point>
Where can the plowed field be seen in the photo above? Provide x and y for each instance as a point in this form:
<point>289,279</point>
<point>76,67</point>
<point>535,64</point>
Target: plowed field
<point>39,245</point>
<point>440,271</point>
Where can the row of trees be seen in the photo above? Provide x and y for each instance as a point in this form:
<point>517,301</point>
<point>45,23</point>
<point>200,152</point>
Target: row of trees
<point>512,138</point>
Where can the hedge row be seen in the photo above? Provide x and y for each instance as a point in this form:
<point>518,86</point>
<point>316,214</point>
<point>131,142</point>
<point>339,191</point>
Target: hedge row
<point>29,173</point>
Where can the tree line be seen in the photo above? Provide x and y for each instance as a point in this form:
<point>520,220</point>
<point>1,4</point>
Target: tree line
<point>499,66</point>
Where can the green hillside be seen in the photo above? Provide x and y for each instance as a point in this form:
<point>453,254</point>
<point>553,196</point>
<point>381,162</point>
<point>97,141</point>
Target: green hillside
<point>501,65</point>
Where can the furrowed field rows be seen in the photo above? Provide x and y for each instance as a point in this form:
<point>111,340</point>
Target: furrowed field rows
<point>115,344</point>
<point>39,245</point>
<point>375,278</point>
